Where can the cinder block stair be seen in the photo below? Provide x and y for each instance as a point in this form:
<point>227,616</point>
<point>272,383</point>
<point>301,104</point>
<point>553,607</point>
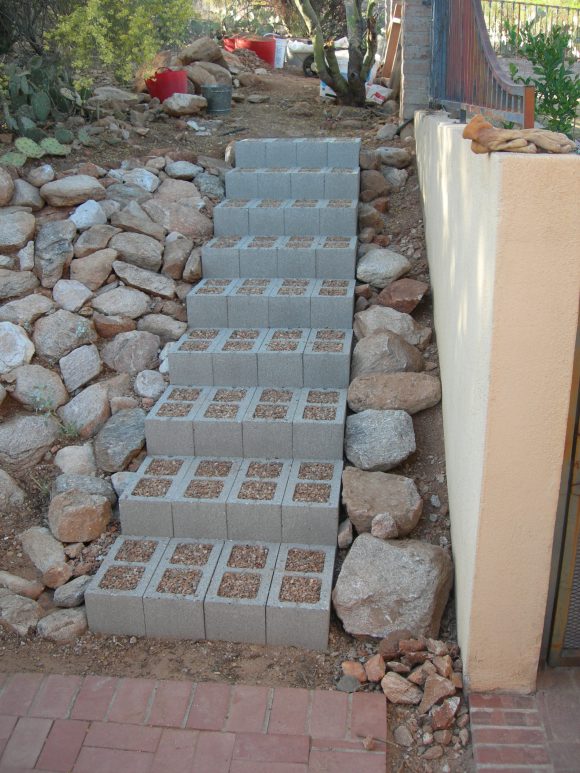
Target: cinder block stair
<point>230,523</point>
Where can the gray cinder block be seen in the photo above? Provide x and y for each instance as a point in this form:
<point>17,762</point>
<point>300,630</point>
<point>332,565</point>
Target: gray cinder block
<point>266,217</point>
<point>239,619</point>
<point>169,424</point>
<point>207,304</point>
<point>336,257</point>
<point>267,424</point>
<point>297,256</point>
<point>343,153</point>
<point>179,615</point>
<point>199,502</point>
<point>307,183</point>
<point>338,217</point>
<point>302,217</point>
<point>218,423</point>
<point>230,217</point>
<point>116,609</point>
<point>248,303</point>
<point>242,183</point>
<point>251,154</point>
<point>281,153</point>
<point>300,623</point>
<point>327,359</point>
<point>280,358</point>
<point>254,506</point>
<point>235,361</point>
<point>318,431</point>
<point>259,257</point>
<point>341,183</point>
<point>312,152</point>
<point>145,505</point>
<point>289,303</point>
<point>274,183</point>
<point>332,303</point>
<point>311,504</point>
<point>191,361</point>
<point>220,257</point>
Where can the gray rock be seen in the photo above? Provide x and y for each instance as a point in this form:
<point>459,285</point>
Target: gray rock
<point>93,271</point>
<point>86,413</point>
<point>387,132</point>
<point>134,218</point>
<point>367,495</point>
<point>138,176</point>
<point>395,178</point>
<point>17,613</point>
<point>87,483</point>
<point>40,175</point>
<point>345,535</point>
<point>70,294</point>
<point>60,333</point>
<point>64,625</point>
<point>13,283</point>
<point>348,683</point>
<point>26,257</point>
<point>122,301</point>
<point>72,190</point>
<point>380,319</point>
<point>182,170</point>
<point>138,249</point>
<point>16,229</point>
<point>88,214</point>
<point>132,352</point>
<point>151,282</point>
<point>384,526</point>
<point>210,185</point>
<point>24,440</point>
<point>396,157</point>
<point>177,250</point>
<point>125,193</point>
<point>6,187</point>
<point>192,270</point>
<point>387,586</point>
<point>76,516</point>
<point>184,104</point>
<point>80,366</point>
<point>16,348</point>
<point>11,495</point>
<point>411,392</point>
<point>47,555</point>
<point>73,593</point>
<point>76,460</point>
<point>96,238</point>
<point>150,384</point>
<point>26,195</point>
<point>177,217</point>
<point>122,437</point>
<point>403,736</point>
<point>379,440</point>
<point>385,353</point>
<point>26,310</point>
<point>379,267</point>
<point>38,388</point>
<point>53,250</point>
<point>167,328</point>
<point>121,480</point>
<point>15,584</point>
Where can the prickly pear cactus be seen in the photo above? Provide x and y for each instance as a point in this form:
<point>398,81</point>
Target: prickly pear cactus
<point>13,159</point>
<point>29,147</point>
<point>54,148</point>
<point>41,105</point>
<point>64,136</point>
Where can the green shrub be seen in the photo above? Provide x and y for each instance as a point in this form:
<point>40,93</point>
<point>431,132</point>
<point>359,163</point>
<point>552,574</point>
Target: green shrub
<point>121,34</point>
<point>557,87</point>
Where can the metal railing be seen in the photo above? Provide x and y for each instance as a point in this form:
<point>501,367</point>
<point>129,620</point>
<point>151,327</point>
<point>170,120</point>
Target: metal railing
<point>465,72</point>
<point>501,14</point>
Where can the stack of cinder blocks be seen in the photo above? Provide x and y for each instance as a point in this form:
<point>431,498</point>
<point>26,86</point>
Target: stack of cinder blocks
<point>234,513</point>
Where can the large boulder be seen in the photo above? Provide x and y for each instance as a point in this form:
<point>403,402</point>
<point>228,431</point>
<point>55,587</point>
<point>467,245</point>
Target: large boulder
<point>138,249</point>
<point>379,440</point>
<point>122,437</point>
<point>199,77</point>
<point>132,352</point>
<point>202,50</point>
<point>382,266</point>
<point>385,586</point>
<point>385,353</point>
<point>60,333</point>
<point>134,218</point>
<point>184,104</point>
<point>16,348</point>
<point>53,250</point>
<point>13,283</point>
<point>219,72</point>
<point>162,325</point>
<point>76,516</point>
<point>151,282</point>
<point>24,440</point>
<point>368,494</point>
<point>72,190</point>
<point>47,555</point>
<point>411,392</point>
<point>16,229</point>
<point>381,319</point>
<point>38,388</point>
<point>181,218</point>
<point>86,483</point>
<point>123,302</point>
<point>86,413</point>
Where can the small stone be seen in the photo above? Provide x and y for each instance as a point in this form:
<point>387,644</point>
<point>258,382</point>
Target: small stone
<point>192,270</point>
<point>403,736</point>
<point>76,460</point>
<point>399,691</point>
<point>348,684</point>
<point>403,294</point>
<point>444,665</point>
<point>25,311</point>
<point>26,257</point>
<point>182,170</point>
<point>53,250</point>
<point>436,687</point>
<point>132,352</point>
<point>355,669</point>
<point>398,668</point>
<point>442,716</point>
<point>40,175</point>
<point>385,353</point>
<point>184,104</point>
<point>11,495</point>
<point>38,388</point>
<point>64,625</point>
<point>149,383</point>
<point>17,613</point>
<point>26,195</point>
<point>72,190</point>
<point>74,549</point>
<point>411,392</point>
<point>175,254</point>
<point>177,217</point>
<point>58,334</point>
<point>395,178</point>
<point>94,270</point>
<point>6,187</point>
<point>345,535</point>
<point>396,157</point>
<point>122,301</point>
<point>94,239</point>
<point>139,250</point>
<point>162,325</point>
<point>24,440</point>
<point>379,440</point>
<point>21,587</point>
<point>380,319</point>
<point>47,555</point>
<point>372,184</point>
<point>122,437</point>
<point>139,176</point>
<point>134,218</point>
<point>419,675</point>
<point>13,283</point>
<point>73,593</point>
<point>86,413</point>
<point>375,668</point>
<point>457,680</point>
<point>86,483</point>
<point>16,229</point>
<point>382,266</point>
<point>120,481</point>
<point>78,517</point>
<point>433,753</point>
<point>389,645</point>
<point>125,193</point>
<point>16,348</point>
<point>384,526</point>
<point>70,294</point>
<point>387,132</point>
<point>150,281</point>
<point>88,214</point>
<point>178,191</point>
<point>210,185</point>
<point>80,366</point>
<point>464,736</point>
<point>369,217</point>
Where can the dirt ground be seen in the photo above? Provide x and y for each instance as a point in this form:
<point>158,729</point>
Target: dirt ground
<point>294,110</point>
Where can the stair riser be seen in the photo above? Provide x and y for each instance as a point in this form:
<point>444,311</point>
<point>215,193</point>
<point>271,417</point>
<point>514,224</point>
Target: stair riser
<point>310,153</point>
<point>285,220</point>
<point>293,184</point>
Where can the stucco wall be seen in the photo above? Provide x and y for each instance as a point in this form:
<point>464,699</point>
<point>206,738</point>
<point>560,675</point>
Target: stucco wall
<point>503,243</point>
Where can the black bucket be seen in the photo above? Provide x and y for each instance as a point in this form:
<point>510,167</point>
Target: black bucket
<point>219,98</point>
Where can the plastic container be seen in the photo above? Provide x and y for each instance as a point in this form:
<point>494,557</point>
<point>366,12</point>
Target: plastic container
<point>280,54</point>
<point>265,48</point>
<point>230,44</point>
<point>165,83</point>
<point>219,98</point>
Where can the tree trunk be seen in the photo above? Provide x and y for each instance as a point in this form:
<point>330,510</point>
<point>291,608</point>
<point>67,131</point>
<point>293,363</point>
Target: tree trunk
<point>362,46</point>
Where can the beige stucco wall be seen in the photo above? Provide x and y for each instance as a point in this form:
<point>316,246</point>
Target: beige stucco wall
<point>503,243</point>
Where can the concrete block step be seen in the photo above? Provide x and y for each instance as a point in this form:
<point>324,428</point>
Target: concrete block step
<point>286,217</point>
<point>305,152</point>
<point>266,302</point>
<point>277,423</point>
<point>250,591</point>
<point>269,357</point>
<point>321,257</point>
<point>293,183</point>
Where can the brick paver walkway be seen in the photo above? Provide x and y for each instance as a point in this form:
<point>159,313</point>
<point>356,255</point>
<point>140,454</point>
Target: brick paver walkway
<point>99,724</point>
<point>538,732</point>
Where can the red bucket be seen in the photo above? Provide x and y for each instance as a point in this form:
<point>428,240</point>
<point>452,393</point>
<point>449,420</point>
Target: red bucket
<point>265,48</point>
<point>230,44</point>
<point>167,82</point>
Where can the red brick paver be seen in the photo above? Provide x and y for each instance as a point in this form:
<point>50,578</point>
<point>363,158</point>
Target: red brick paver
<point>538,733</point>
<point>70,724</point>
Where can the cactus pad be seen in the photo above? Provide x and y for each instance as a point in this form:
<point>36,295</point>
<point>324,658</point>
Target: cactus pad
<point>29,147</point>
<point>41,105</point>
<point>13,159</point>
<point>63,135</point>
<point>54,148</point>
